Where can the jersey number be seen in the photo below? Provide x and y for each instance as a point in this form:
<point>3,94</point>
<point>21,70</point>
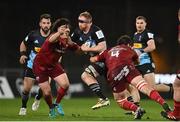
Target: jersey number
<point>115,53</point>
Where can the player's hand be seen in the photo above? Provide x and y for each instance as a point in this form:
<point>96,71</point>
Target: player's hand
<point>84,48</point>
<point>22,59</point>
<point>93,59</point>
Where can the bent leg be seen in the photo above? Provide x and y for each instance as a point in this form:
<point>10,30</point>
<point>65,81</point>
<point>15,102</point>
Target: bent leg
<point>145,88</point>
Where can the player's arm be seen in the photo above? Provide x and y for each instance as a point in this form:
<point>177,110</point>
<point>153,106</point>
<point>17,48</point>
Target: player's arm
<point>63,32</point>
<point>135,57</point>
<point>101,46</point>
<point>100,57</point>
<point>101,42</point>
<point>54,37</point>
<point>73,46</point>
<point>23,51</point>
<point>150,46</point>
<point>98,48</point>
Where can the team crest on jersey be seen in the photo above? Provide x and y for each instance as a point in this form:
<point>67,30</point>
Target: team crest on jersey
<point>140,38</point>
<point>36,42</point>
<point>80,39</point>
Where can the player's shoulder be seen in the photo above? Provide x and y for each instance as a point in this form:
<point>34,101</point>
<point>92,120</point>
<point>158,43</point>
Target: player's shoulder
<point>95,28</point>
<point>149,33</point>
<point>33,32</point>
<point>97,32</point>
<point>76,31</point>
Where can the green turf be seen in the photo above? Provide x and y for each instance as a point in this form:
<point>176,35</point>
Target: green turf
<point>77,109</point>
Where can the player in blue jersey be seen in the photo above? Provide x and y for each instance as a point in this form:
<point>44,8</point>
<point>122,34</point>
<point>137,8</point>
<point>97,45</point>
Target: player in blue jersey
<point>91,36</point>
<point>144,44</point>
<point>29,47</point>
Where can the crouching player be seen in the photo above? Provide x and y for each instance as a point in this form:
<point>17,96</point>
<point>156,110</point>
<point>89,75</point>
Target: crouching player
<point>175,114</point>
<point>122,72</point>
<point>46,62</point>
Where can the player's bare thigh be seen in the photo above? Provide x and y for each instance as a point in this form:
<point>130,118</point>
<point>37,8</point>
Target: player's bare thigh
<point>176,86</point>
<point>62,80</point>
<point>150,79</point>
<point>28,83</point>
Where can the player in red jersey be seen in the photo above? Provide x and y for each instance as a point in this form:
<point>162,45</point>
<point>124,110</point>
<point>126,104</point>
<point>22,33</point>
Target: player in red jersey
<point>46,62</point>
<point>175,114</point>
<point>119,61</point>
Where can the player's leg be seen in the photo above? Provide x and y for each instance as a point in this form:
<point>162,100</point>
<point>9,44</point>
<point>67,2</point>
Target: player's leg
<point>37,98</point>
<point>135,94</point>
<point>176,86</point>
<point>150,79</point>
<point>27,85</point>
<point>122,101</point>
<point>148,73</point>
<point>63,83</point>
<point>147,89</point>
<point>37,101</point>
<point>175,114</point>
<point>46,89</point>
<point>89,77</point>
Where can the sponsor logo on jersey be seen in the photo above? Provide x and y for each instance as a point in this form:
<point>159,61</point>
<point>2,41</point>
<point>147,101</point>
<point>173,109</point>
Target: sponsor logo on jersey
<point>37,49</point>
<point>150,35</point>
<point>137,45</point>
<point>100,34</point>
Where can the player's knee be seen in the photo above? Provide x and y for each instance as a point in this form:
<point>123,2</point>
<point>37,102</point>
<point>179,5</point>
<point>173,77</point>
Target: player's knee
<point>25,92</point>
<point>83,76</point>
<point>91,71</point>
<point>46,92</point>
<point>141,85</point>
<point>176,83</point>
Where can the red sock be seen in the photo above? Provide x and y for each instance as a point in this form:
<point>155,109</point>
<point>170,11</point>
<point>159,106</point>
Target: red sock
<point>154,95</point>
<point>176,111</point>
<point>60,94</point>
<point>127,105</point>
<point>48,99</point>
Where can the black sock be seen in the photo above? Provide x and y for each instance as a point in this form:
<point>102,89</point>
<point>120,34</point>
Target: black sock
<point>137,103</point>
<point>39,95</point>
<point>130,99</point>
<point>25,97</point>
<point>97,90</point>
<point>171,88</point>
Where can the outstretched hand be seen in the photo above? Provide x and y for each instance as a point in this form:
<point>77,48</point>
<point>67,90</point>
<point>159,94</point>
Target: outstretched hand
<point>84,48</point>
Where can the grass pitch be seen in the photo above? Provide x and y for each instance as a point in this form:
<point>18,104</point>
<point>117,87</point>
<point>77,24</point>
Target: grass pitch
<point>77,109</point>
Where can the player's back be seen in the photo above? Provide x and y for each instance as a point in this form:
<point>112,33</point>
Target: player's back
<point>120,55</point>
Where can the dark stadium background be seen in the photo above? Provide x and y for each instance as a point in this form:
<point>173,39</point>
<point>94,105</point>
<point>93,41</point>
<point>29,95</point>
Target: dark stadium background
<point>114,17</point>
